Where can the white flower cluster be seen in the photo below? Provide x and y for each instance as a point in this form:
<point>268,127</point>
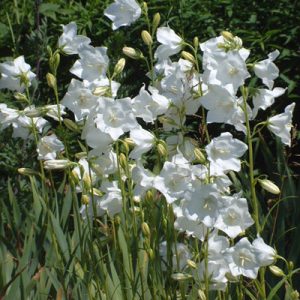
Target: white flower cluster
<point>198,191</point>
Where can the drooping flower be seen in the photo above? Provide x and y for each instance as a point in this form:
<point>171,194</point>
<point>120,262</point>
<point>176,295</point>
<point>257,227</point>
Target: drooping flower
<point>281,124</point>
<point>16,74</point>
<point>69,41</point>
<point>123,13</point>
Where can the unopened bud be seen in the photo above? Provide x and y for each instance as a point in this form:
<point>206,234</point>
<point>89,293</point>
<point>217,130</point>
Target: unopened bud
<point>145,6</point>
<point>87,182</point>
<point>201,295</point>
<point>151,254</point>
<point>54,62</point>
<point>57,164</point>
<point>117,220</point>
<point>119,67</point>
<point>199,156</point>
<point>276,271</point>
<point>181,276</point>
<point>101,90</point>
<point>33,112</point>
<point>162,149</point>
<point>71,125</point>
<point>269,186</point>
<point>132,53</point>
<point>156,21</point>
<point>21,97</point>
<point>227,35</point>
<point>196,42</point>
<point>130,142</point>
<point>27,172</point>
<point>80,155</point>
<point>295,295</point>
<point>147,39</point>
<point>85,199</point>
<point>291,265</point>
<point>188,56</point>
<point>146,229</point>
<point>97,192</point>
<point>191,264</point>
<point>123,161</point>
<point>51,80</point>
<point>75,177</point>
<point>149,196</point>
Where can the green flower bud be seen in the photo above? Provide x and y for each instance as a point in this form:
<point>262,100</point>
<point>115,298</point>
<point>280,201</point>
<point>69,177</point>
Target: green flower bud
<point>123,161</point>
<point>196,42</point>
<point>71,125</point>
<point>156,21</point>
<point>199,156</point>
<point>132,53</point>
<point>85,199</point>
<point>269,186</point>
<point>119,67</point>
<point>27,172</point>
<point>191,264</point>
<point>181,276</point>
<point>276,271</point>
<point>201,295</point>
<point>51,80</point>
<point>21,97</point>
<point>146,37</point>
<point>188,56</point>
<point>227,35</point>
<point>146,230</point>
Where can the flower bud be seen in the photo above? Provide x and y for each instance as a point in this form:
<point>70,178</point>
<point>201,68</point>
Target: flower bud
<point>123,160</point>
<point>51,80</point>
<point>196,42</point>
<point>97,192</point>
<point>146,37</point>
<point>57,164</point>
<point>21,97</point>
<point>85,199</point>
<point>27,172</point>
<point>151,253</point>
<point>119,67</point>
<point>201,295</point>
<point>188,56</point>
<point>191,264</point>
<point>227,35</point>
<point>101,90</point>
<point>146,230</point>
<point>276,271</point>
<point>295,295</point>
<point>291,265</point>
<point>145,6</point>
<point>71,125</point>
<point>87,182</point>
<point>54,62</point>
<point>181,276</point>
<point>199,156</point>
<point>162,149</point>
<point>149,196</point>
<point>33,112</point>
<point>132,53</point>
<point>130,142</point>
<point>156,21</point>
<point>117,220</point>
<point>75,177</point>
<point>269,186</point>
